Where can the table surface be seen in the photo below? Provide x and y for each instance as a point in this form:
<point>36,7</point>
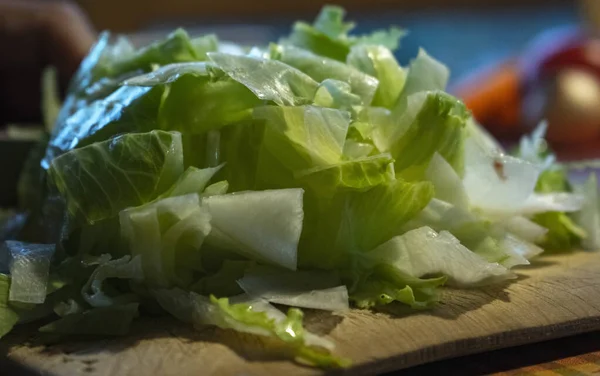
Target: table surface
<point>575,355</point>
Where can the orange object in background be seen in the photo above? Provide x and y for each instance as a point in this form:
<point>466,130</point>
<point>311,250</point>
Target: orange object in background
<point>557,78</point>
<point>494,98</point>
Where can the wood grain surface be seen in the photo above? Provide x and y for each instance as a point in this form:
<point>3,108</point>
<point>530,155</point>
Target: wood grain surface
<point>556,297</point>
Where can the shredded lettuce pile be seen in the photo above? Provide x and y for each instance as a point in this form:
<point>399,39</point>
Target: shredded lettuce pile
<point>316,172</point>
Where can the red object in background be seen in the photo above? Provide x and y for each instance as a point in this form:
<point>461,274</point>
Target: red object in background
<point>556,78</point>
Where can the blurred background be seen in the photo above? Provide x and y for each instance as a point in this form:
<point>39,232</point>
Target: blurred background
<point>464,34</point>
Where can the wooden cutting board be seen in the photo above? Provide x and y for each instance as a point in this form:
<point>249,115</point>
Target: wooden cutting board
<point>558,296</point>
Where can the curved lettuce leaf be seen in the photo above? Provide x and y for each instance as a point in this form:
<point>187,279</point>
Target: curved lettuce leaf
<point>29,270</point>
<point>322,68</point>
<point>268,79</point>
<point>262,225</point>
<point>100,180</point>
<point>379,62</point>
<point>167,235</point>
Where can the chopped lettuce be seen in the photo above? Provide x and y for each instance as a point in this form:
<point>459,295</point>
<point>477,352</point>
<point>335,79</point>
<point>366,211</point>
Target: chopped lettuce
<point>104,178</point>
<point>29,270</point>
<point>264,225</point>
<point>212,179</point>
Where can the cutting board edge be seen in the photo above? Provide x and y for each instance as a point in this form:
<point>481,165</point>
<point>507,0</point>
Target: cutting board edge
<point>470,346</point>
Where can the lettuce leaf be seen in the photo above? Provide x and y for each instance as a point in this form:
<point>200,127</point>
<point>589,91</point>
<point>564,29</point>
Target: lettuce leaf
<point>104,178</point>
<point>588,219</point>
<point>304,289</point>
<point>8,317</point>
<point>379,62</point>
<point>423,252</point>
<point>29,270</point>
<point>262,225</point>
<point>123,268</point>
<point>321,68</point>
<point>268,79</point>
<point>253,317</point>
<point>167,235</point>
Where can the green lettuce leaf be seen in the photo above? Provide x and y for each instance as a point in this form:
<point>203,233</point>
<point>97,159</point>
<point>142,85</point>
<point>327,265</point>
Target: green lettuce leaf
<point>253,317</point>
<point>29,270</point>
<point>379,62</point>
<point>268,79</point>
<point>193,180</point>
<point>336,94</point>
<point>588,219</point>
<point>433,122</point>
<point>123,268</point>
<point>424,252</point>
<point>303,289</point>
<point>328,35</point>
<point>261,225</point>
<point>167,235</point>
<point>104,178</point>
<point>322,68</point>
<point>8,317</point>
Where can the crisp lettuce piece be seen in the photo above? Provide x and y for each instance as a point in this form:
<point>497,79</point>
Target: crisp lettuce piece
<point>218,188</point>
<point>127,109</point>
<point>168,74</point>
<point>379,62</point>
<point>193,180</point>
<point>167,234</point>
<point>389,39</point>
<point>123,268</point>
<point>268,79</point>
<point>563,233</point>
<point>433,122</point>
<point>205,44</point>
<point>424,74</point>
<point>322,68</point>
<point>336,94</point>
<point>261,225</point>
<point>305,136</point>
<point>304,289</point>
<point>175,48</point>
<point>328,35</point>
<point>253,317</point>
<point>106,321</point>
<point>447,183</point>
<point>330,21</point>
<point>29,270</point>
<point>383,284</point>
<point>361,210</point>
<point>196,104</point>
<point>589,217</point>
<point>104,178</point>
<point>423,252</point>
<point>8,317</point>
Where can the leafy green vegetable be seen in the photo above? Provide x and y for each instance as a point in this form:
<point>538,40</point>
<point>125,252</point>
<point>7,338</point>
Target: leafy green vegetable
<point>104,178</point>
<point>124,268</point>
<point>167,235</point>
<point>379,62</point>
<point>29,269</point>
<point>315,172</point>
<point>8,317</point>
<point>268,79</point>
<point>263,225</point>
<point>321,68</point>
